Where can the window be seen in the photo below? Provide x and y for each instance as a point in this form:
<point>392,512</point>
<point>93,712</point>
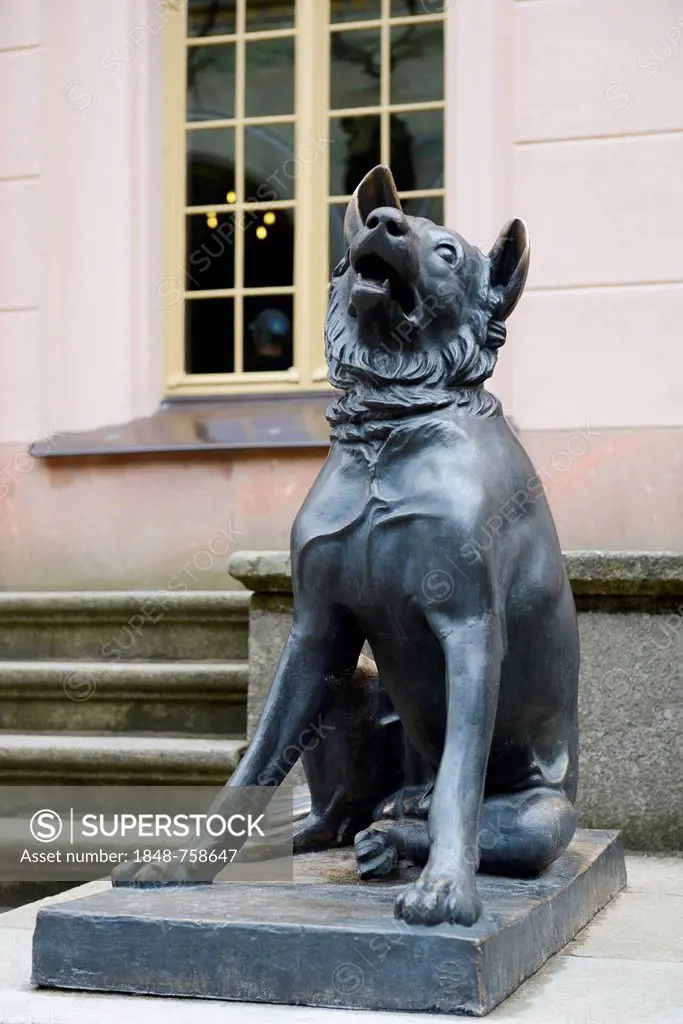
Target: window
<point>275,110</point>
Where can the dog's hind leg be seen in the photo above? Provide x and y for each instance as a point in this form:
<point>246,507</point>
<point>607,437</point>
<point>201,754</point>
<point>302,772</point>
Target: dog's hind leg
<point>380,847</point>
<point>520,834</point>
<point>360,762</point>
<point>412,800</point>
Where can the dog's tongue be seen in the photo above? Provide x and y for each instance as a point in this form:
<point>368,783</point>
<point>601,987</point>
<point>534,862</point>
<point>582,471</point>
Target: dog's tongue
<point>368,293</point>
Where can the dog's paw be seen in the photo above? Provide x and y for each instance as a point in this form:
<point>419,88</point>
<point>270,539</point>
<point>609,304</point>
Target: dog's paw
<point>409,802</point>
<point>152,874</point>
<point>438,898</point>
<point>376,853</point>
<point>329,830</point>
<point>312,833</point>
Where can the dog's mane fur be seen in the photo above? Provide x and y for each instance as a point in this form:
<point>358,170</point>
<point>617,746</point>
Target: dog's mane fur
<point>393,380</point>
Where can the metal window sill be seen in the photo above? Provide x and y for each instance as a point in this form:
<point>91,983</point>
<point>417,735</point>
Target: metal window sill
<point>183,425</point>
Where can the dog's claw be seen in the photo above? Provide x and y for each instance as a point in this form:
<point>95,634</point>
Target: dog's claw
<point>439,899</point>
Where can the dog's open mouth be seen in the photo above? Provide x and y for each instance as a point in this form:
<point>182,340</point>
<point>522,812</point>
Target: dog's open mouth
<point>378,283</point>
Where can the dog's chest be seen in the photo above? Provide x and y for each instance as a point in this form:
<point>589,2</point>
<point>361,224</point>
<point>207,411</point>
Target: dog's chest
<point>366,489</point>
<point>361,518</point>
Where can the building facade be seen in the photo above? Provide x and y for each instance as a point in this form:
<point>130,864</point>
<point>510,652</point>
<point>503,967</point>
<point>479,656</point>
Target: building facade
<point>173,176</point>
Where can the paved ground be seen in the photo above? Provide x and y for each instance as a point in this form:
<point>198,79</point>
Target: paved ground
<point>626,967</point>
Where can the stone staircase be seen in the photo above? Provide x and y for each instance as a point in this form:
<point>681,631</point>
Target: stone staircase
<point>122,687</point>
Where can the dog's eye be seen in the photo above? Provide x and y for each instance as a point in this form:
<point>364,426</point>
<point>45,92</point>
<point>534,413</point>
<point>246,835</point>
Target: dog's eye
<point>447,253</point>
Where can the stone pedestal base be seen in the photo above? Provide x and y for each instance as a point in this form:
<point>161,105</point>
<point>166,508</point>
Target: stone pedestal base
<point>327,939</point>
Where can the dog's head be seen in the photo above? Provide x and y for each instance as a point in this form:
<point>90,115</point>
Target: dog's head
<point>414,308</point>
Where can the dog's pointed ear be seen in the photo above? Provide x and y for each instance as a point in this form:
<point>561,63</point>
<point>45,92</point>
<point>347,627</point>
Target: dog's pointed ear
<point>376,189</point>
<point>509,259</point>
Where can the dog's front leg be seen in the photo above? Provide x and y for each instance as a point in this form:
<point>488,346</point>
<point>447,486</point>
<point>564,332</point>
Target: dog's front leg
<point>320,654</point>
<point>446,889</point>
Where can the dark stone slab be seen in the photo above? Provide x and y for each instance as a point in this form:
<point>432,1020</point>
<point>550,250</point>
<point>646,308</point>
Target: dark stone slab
<point>326,940</point>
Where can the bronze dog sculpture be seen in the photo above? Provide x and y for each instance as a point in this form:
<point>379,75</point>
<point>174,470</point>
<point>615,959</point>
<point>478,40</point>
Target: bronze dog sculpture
<point>427,535</point>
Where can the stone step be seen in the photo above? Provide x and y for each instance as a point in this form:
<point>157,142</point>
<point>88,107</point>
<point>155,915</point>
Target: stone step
<point>193,698</point>
<point>115,626</point>
<point>116,760</point>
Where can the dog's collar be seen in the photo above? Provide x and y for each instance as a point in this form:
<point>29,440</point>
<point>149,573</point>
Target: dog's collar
<point>373,415</point>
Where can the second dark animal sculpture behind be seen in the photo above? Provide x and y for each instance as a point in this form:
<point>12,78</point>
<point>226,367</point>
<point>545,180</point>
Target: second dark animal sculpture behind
<point>426,534</point>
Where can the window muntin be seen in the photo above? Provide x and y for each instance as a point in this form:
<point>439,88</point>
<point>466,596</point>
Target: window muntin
<point>264,149</point>
<point>386,104</point>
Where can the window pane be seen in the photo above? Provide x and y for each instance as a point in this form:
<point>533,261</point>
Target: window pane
<point>268,248</point>
<point>210,336</point>
<point>355,10</point>
<point>432,208</point>
<point>417,150</point>
<point>210,251</point>
<point>210,82</point>
<point>211,166</point>
<point>417,63</point>
<point>354,150</point>
<point>401,8</point>
<point>337,246</point>
<point>270,77</point>
<point>269,163</point>
<point>268,321</point>
<point>211,17</point>
<point>355,70</point>
<point>264,14</point>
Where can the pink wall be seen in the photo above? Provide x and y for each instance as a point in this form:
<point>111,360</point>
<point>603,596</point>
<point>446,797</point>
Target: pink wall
<point>140,522</point>
<point>128,523</point>
<point>568,114</point>
<point>80,214</point>
<point>21,258</point>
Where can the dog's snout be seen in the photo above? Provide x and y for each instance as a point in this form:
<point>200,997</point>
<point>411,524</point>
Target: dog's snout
<point>388,219</point>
